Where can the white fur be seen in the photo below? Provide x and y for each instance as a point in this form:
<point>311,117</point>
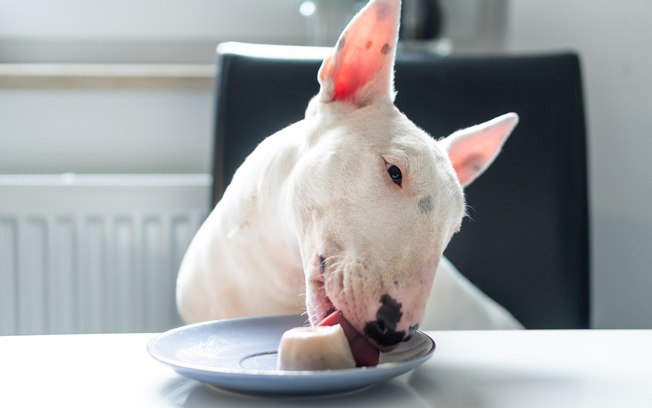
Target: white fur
<point>247,260</point>
<point>320,189</point>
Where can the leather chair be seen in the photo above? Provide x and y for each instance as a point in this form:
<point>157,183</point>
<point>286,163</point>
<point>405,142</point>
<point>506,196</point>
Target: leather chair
<point>526,241</point>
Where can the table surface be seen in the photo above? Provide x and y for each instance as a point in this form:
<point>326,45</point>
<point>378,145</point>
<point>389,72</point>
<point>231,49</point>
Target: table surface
<point>590,368</point>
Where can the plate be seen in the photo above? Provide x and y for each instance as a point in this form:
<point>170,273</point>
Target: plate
<point>240,355</point>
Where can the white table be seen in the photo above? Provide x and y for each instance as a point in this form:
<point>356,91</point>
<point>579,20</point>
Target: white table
<point>469,369</point>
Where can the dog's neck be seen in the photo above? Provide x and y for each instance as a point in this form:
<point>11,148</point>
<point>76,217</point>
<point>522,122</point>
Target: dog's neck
<point>259,205</point>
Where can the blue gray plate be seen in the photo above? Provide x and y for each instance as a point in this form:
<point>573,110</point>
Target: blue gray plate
<point>240,355</point>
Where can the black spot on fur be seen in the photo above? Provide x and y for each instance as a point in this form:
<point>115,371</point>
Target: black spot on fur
<point>425,204</point>
<point>340,43</point>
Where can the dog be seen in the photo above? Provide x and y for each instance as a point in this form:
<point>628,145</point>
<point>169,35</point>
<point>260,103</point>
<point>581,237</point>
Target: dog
<point>349,209</point>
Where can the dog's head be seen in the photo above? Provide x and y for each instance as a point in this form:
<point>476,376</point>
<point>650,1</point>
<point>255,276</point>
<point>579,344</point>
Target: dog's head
<point>376,198</point>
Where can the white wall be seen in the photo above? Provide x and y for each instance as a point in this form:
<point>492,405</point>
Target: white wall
<point>142,30</point>
<point>105,131</point>
<point>167,19</point>
<point>613,39</point>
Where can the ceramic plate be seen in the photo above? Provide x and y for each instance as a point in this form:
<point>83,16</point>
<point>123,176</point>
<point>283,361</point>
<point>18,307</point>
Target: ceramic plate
<point>240,355</point>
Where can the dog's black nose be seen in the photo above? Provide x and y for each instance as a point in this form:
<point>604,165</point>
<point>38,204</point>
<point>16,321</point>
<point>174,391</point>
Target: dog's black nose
<point>383,329</point>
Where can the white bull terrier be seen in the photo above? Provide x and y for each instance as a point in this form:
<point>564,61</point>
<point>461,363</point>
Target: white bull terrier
<point>349,209</point>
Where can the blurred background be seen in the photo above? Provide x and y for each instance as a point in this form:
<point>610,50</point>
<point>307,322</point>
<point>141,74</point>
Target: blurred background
<point>106,139</point>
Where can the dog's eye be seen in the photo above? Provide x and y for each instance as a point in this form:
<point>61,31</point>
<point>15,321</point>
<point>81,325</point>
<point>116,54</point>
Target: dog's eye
<point>395,174</point>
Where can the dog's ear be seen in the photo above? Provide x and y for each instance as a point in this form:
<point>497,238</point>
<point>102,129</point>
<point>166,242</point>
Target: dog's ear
<point>361,68</point>
<point>473,149</point>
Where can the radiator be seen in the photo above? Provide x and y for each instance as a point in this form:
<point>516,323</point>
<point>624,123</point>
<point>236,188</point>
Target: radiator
<point>94,253</point>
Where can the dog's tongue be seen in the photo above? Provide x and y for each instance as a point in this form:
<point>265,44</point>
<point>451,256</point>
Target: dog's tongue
<point>363,352</point>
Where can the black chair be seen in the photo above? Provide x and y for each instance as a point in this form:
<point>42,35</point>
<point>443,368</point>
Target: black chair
<point>526,241</point>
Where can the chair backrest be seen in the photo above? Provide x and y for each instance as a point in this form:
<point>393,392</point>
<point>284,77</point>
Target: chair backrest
<point>525,243</point>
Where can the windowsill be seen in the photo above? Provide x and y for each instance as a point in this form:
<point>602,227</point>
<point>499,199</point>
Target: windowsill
<point>139,76</point>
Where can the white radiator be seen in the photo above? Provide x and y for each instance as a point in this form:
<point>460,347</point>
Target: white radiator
<point>94,253</point>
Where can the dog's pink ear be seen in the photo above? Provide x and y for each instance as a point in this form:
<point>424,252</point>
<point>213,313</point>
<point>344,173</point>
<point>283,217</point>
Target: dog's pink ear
<point>473,149</point>
<point>361,68</point>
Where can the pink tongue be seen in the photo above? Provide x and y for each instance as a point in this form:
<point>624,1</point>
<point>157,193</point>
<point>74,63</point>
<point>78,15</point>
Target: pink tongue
<point>364,353</point>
